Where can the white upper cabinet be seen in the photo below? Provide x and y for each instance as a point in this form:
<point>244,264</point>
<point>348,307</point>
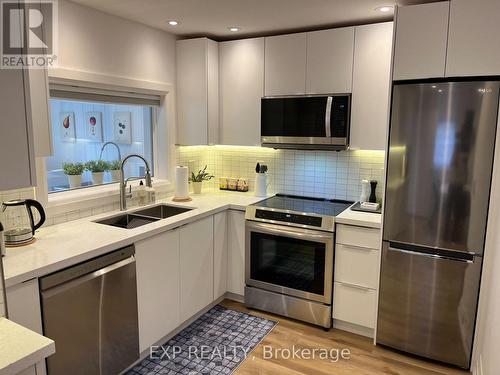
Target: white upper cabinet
<point>197,92</point>
<point>421,38</point>
<point>371,86</point>
<point>329,61</point>
<point>40,109</point>
<point>285,64</point>
<point>17,162</point>
<point>40,112</point>
<point>473,40</point>
<point>241,77</point>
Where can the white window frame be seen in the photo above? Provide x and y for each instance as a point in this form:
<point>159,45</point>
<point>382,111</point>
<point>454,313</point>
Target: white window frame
<point>163,143</point>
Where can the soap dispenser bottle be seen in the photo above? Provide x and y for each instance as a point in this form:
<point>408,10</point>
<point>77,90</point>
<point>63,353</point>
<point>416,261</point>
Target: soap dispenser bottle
<point>150,194</point>
<point>141,194</point>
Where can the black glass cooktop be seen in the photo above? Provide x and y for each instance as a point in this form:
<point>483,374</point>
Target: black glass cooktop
<point>316,206</point>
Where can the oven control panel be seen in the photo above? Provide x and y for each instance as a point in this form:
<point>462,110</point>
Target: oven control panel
<point>314,221</point>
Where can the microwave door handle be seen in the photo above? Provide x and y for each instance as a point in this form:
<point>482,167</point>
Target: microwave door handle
<point>328,114</point>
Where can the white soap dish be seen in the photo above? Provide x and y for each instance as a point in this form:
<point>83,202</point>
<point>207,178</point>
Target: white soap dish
<point>370,206</point>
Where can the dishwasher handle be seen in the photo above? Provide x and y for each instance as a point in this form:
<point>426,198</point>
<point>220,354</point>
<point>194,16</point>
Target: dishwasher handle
<point>84,268</point>
<point>82,279</point>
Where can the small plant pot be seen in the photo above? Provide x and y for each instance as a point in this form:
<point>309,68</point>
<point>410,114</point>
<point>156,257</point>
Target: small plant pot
<point>74,181</point>
<point>97,178</point>
<point>197,187</point>
<point>115,175</point>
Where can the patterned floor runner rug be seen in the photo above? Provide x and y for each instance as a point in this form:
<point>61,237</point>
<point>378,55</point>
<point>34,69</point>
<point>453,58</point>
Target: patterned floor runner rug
<point>216,343</point>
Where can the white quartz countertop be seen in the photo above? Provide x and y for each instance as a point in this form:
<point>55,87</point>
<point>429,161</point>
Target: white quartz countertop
<point>363,219</point>
<point>63,245</point>
<point>21,348</point>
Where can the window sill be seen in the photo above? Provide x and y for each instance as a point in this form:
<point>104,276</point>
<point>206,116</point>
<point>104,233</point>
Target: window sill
<point>86,198</point>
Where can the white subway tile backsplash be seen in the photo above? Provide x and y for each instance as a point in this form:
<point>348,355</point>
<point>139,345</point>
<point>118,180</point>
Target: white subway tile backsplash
<point>322,174</point>
<point>15,215</point>
<point>325,174</point>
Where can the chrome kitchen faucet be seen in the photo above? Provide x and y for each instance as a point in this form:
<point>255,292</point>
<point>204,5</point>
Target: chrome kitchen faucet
<point>123,183</point>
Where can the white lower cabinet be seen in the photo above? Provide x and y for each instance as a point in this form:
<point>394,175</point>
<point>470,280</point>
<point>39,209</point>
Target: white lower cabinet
<point>157,262</point>
<point>357,265</point>
<point>236,252</point>
<point>354,304</point>
<point>220,254</point>
<point>196,266</point>
<point>356,278</point>
<point>30,371</point>
<point>358,236</point>
<point>23,303</point>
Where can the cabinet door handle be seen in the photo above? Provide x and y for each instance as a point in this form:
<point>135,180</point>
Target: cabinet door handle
<point>354,286</point>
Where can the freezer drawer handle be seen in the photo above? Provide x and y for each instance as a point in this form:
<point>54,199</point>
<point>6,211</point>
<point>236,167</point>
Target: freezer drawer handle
<point>434,256</point>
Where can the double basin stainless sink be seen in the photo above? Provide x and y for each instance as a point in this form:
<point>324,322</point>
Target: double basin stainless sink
<point>144,216</point>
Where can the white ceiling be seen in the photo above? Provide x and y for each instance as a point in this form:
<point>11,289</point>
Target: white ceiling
<point>255,17</point>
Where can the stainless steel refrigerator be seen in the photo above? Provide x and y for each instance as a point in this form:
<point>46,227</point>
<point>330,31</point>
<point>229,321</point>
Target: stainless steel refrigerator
<point>440,160</point>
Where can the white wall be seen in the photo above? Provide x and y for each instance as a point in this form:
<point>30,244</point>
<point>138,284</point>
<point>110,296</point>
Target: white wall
<point>92,41</point>
<point>102,48</point>
<point>486,360</point>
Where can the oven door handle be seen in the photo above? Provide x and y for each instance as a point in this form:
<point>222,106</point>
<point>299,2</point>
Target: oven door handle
<point>285,231</point>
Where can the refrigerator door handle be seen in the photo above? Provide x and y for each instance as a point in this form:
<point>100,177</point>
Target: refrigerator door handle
<point>434,256</point>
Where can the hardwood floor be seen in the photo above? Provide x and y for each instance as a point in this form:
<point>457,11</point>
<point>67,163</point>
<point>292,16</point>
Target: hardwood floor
<point>365,358</point>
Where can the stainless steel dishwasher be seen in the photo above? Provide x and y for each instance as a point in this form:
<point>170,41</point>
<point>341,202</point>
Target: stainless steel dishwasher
<point>90,311</point>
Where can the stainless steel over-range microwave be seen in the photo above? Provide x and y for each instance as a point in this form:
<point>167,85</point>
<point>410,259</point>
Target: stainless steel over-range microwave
<point>306,122</point>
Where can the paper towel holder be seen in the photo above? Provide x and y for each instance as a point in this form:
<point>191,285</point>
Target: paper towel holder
<point>185,199</point>
<point>181,181</point>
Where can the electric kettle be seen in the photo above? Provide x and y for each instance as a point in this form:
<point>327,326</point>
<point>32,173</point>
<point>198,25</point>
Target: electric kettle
<point>23,227</point>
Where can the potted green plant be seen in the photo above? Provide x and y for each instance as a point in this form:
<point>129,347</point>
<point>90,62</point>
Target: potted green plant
<point>74,172</point>
<point>114,169</point>
<point>197,179</point>
<point>97,168</point>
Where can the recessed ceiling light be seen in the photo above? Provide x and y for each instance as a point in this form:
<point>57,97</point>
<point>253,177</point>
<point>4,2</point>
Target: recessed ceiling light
<point>384,9</point>
<point>173,23</point>
<point>433,86</point>
<point>234,29</point>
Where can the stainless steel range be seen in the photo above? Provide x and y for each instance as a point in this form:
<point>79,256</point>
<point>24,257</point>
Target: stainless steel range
<point>289,257</point>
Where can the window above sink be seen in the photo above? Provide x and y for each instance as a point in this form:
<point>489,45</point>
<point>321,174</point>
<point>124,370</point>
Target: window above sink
<point>82,127</point>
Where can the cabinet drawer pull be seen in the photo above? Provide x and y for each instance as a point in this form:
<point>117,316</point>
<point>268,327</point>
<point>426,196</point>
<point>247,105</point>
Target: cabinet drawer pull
<point>362,248</point>
<point>354,286</point>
